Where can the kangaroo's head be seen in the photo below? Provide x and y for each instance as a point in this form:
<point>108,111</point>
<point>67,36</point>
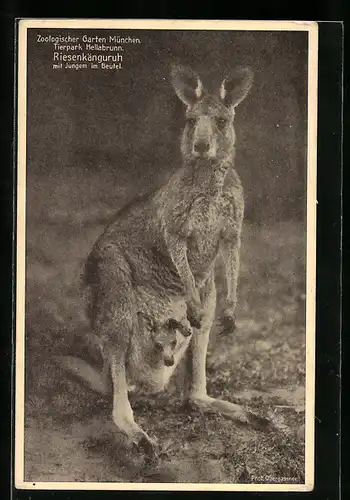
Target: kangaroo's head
<point>209,131</point>
<point>164,337</point>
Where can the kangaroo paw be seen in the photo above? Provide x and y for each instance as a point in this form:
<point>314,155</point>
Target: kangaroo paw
<point>227,324</point>
<point>194,317</point>
<point>229,410</point>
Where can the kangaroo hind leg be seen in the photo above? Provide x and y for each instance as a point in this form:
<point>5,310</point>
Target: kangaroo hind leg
<point>197,395</point>
<point>122,412</point>
<point>114,322</point>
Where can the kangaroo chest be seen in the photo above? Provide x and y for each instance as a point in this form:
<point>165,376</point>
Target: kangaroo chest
<point>205,227</point>
<point>205,221</point>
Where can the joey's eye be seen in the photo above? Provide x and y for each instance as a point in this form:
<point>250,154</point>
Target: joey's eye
<point>159,346</point>
<point>191,122</point>
<point>173,344</point>
<point>221,123</point>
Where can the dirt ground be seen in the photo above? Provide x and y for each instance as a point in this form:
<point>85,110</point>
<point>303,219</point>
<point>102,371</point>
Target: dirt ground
<point>68,431</point>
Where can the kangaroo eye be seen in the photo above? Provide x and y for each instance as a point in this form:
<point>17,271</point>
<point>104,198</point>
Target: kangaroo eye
<point>221,123</point>
<point>159,346</point>
<point>173,344</point>
<point>191,122</point>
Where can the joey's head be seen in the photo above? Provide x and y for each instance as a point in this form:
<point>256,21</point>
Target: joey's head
<point>209,131</point>
<point>163,338</point>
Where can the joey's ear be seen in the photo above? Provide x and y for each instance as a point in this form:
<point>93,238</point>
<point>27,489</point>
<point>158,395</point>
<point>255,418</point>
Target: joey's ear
<point>187,84</point>
<point>235,88</point>
<point>177,325</point>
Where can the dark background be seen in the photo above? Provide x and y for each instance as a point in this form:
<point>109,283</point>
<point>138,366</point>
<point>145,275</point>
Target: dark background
<point>118,125</point>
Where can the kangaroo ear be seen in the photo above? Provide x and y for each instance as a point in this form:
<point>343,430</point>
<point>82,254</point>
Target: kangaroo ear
<point>187,84</point>
<point>177,325</point>
<point>235,88</point>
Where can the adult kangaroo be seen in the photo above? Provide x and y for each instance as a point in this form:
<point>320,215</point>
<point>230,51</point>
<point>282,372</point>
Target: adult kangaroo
<point>169,242</point>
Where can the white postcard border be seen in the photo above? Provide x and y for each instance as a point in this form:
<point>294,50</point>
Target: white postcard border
<point>312,29</point>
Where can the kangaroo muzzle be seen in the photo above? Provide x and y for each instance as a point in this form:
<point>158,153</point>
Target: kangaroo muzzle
<point>204,138</point>
<point>201,147</point>
<point>169,360</point>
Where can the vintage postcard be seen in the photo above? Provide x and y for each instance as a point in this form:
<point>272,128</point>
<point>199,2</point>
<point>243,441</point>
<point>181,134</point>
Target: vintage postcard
<point>166,255</point>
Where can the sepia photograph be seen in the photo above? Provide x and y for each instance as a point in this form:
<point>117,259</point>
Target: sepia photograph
<point>166,255</point>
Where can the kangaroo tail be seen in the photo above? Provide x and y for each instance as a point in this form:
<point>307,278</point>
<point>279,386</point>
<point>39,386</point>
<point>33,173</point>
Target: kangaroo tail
<point>96,380</point>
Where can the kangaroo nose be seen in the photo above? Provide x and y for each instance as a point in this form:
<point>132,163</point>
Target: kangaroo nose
<point>201,147</point>
<point>168,360</point>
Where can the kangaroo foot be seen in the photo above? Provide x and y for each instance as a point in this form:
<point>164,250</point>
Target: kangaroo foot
<point>150,450</point>
<point>230,410</point>
<point>148,445</point>
<point>138,439</point>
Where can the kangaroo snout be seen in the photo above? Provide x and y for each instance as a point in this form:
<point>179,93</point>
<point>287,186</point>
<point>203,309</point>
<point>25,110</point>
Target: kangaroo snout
<point>169,360</point>
<point>201,147</point>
